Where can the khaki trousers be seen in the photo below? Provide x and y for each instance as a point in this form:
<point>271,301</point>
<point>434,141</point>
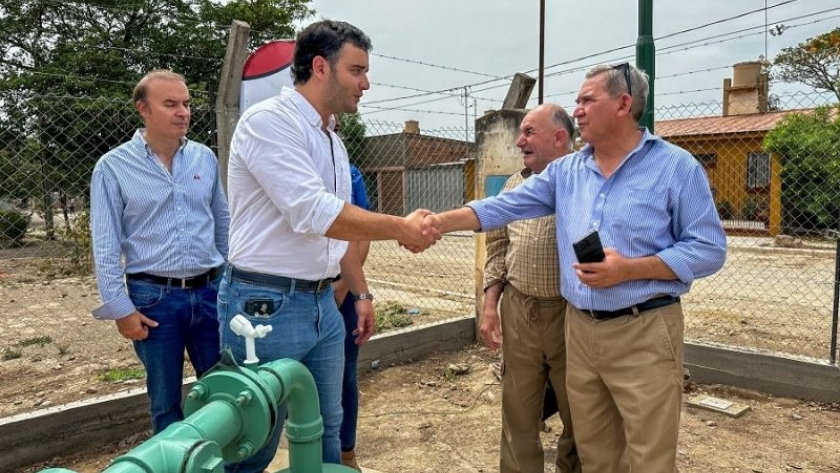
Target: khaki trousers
<point>534,351</point>
<point>624,381</point>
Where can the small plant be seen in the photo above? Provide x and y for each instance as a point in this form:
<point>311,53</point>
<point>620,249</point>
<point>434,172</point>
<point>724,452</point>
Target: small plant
<point>80,249</point>
<point>45,340</point>
<point>63,349</point>
<point>750,210</point>
<point>725,210</point>
<point>118,375</point>
<point>13,226</point>
<point>391,315</point>
<point>11,354</point>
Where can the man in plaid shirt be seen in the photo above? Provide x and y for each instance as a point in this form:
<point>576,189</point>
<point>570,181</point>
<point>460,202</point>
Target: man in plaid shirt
<point>522,264</point>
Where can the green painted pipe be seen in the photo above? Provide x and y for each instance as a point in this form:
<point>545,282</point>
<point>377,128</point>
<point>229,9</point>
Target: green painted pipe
<point>231,412</point>
<point>304,426</point>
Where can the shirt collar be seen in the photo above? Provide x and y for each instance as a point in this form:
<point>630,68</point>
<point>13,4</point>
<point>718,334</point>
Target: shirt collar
<point>306,108</point>
<point>139,141</point>
<point>588,151</point>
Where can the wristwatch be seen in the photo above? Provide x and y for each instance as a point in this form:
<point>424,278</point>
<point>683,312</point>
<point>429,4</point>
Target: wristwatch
<point>364,296</point>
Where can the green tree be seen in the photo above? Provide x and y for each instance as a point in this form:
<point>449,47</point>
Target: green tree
<point>814,62</point>
<point>809,148</point>
<point>352,130</point>
<point>67,68</point>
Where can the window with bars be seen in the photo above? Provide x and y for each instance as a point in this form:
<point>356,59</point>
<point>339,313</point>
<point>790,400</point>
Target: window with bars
<point>758,171</point>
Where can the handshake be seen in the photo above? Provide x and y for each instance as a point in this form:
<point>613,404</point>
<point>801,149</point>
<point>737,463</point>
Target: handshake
<point>421,229</point>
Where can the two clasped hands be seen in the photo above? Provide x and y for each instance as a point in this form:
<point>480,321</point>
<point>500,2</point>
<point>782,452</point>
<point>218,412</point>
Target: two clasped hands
<point>423,229</point>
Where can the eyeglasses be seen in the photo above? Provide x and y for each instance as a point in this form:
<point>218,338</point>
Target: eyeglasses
<point>626,68</point>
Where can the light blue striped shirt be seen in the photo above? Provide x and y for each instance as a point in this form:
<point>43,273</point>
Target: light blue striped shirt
<point>657,202</point>
<point>171,225</point>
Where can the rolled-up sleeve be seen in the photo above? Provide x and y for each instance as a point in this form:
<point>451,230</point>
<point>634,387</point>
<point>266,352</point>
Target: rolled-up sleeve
<point>700,249</point>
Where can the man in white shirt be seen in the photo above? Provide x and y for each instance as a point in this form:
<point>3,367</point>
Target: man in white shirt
<point>291,220</point>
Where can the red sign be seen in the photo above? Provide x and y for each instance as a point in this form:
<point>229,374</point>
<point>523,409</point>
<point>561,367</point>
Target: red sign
<point>266,71</point>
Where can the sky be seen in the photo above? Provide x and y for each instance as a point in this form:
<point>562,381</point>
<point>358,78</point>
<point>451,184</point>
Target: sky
<point>470,42</point>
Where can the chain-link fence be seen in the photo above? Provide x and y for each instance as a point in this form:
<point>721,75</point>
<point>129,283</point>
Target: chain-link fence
<point>772,174</point>
<point>772,166</point>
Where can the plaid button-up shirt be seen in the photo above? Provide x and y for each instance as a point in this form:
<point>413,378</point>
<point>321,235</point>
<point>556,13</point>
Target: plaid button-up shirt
<point>524,253</point>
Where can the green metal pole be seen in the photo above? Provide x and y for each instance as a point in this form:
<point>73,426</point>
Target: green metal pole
<point>645,51</point>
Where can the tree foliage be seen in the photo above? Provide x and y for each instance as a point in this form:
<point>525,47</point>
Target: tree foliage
<point>67,68</point>
<point>809,148</point>
<point>352,130</point>
<point>814,62</point>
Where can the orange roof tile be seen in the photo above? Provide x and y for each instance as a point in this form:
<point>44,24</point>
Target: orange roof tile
<point>722,125</point>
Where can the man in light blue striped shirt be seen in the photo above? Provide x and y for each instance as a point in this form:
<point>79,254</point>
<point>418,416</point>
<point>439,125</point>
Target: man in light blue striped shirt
<point>157,202</point>
<point>651,203</point>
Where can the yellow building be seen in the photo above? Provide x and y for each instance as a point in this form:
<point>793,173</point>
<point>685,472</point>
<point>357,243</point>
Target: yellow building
<point>745,179</point>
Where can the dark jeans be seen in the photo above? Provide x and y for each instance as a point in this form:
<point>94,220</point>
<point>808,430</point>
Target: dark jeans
<point>350,385</point>
<point>187,320</point>
<point>305,327</point>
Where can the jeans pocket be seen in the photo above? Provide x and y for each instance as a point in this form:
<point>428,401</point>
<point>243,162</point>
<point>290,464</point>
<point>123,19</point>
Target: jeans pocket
<point>145,295</point>
<point>262,306</point>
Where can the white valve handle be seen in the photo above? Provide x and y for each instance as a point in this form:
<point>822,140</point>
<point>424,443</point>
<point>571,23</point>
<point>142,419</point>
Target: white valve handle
<point>242,327</point>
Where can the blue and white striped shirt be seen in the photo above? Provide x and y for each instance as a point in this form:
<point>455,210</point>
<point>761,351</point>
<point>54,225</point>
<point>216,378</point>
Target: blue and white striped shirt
<point>171,225</point>
<point>657,202</point>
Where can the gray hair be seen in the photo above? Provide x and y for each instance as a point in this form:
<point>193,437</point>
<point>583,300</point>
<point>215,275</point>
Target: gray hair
<point>561,118</point>
<point>617,85</point>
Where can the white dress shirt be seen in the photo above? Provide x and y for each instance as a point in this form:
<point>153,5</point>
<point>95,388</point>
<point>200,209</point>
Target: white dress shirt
<point>288,180</point>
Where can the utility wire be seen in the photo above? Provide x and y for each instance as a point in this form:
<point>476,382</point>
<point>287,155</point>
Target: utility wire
<point>401,109</point>
<point>724,20</point>
<point>589,56</point>
<point>437,66</point>
<point>156,53</point>
<point>69,76</point>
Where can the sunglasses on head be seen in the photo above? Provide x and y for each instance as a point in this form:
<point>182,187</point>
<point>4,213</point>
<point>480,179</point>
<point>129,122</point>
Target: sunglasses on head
<point>625,67</point>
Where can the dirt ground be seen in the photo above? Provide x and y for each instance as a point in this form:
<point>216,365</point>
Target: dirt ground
<point>414,419</point>
<point>52,352</point>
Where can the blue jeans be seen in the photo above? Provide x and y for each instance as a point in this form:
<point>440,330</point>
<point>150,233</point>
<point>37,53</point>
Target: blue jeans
<point>350,386</point>
<point>187,320</point>
<point>305,327</point>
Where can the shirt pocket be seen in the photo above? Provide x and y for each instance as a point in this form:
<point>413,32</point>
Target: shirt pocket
<point>642,212</point>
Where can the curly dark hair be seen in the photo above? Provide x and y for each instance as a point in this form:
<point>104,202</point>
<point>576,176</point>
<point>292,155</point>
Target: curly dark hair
<point>324,38</point>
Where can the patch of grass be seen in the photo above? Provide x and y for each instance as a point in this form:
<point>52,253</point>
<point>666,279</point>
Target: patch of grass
<point>11,355</point>
<point>391,315</point>
<point>117,375</point>
<point>45,340</point>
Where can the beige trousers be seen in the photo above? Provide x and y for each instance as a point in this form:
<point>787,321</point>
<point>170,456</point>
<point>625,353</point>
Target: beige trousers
<point>534,351</point>
<point>624,381</point>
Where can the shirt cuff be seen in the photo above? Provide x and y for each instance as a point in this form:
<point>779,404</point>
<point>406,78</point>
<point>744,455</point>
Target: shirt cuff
<point>116,309</point>
<point>326,216</point>
<point>492,281</point>
<point>672,259</point>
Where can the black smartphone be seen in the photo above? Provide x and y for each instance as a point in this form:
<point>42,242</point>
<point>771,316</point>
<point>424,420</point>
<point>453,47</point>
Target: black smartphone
<point>589,249</point>
<point>259,307</point>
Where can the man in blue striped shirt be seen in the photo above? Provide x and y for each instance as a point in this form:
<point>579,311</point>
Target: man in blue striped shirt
<point>651,203</point>
<point>157,202</point>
